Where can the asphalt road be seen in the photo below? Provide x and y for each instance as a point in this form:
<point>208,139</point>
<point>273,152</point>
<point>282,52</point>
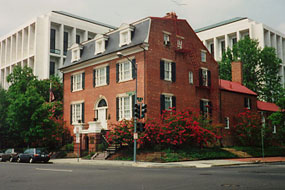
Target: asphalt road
<point>26,176</point>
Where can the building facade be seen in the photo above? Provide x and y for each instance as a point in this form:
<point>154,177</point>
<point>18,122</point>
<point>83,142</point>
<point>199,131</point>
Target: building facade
<point>218,37</point>
<point>174,69</point>
<point>42,43</point>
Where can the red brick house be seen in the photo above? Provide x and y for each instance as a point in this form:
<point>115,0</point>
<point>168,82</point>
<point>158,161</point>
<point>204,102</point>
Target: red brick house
<point>174,69</point>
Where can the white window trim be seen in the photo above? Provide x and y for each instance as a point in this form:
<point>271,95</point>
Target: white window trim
<point>206,80</point>
<point>227,123</point>
<point>96,76</point>
<point>179,43</point>
<point>170,103</point>
<point>127,31</point>
<point>206,100</point>
<point>191,78</point>
<point>121,73</point>
<point>74,87</point>
<point>169,71</point>
<point>166,42</point>
<point>203,52</point>
<point>121,106</point>
<point>248,103</point>
<point>274,129</point>
<point>74,114</point>
<point>75,52</point>
<point>100,38</point>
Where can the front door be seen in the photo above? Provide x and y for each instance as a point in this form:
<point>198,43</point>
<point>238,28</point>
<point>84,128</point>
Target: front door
<point>102,117</point>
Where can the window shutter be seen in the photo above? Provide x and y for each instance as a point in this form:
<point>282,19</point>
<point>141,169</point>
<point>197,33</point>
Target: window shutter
<point>134,72</point>
<point>83,80</point>
<point>173,71</point>
<point>71,82</point>
<point>200,77</point>
<point>108,74</point>
<point>161,69</point>
<point>117,72</point>
<point>209,78</point>
<point>94,78</point>
<point>202,107</point>
<point>117,109</point>
<point>174,102</point>
<point>71,114</point>
<point>133,103</point>
<point>82,113</point>
<point>162,103</point>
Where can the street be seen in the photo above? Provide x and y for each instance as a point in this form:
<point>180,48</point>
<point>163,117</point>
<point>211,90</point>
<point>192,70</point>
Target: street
<point>80,177</point>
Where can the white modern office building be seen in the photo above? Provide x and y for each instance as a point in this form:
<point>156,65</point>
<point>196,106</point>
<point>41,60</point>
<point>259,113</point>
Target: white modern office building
<point>218,37</point>
<point>42,43</point>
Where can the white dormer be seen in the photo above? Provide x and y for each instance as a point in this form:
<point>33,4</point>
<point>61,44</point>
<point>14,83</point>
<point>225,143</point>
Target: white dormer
<point>126,34</point>
<point>100,44</point>
<point>75,52</point>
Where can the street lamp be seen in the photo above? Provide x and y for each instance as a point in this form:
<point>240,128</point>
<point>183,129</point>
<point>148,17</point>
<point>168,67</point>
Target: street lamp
<point>119,54</point>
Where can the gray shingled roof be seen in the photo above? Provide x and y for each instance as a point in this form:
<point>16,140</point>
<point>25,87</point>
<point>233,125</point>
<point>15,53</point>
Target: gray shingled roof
<point>84,19</point>
<point>220,24</point>
<point>138,37</point>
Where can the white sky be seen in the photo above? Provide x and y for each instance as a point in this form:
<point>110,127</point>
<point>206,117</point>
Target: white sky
<point>199,13</point>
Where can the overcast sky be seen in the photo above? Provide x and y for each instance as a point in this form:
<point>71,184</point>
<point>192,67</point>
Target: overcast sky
<point>199,13</point>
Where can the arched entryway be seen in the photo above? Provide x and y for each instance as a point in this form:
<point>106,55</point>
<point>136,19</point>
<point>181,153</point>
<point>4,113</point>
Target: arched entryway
<point>101,112</point>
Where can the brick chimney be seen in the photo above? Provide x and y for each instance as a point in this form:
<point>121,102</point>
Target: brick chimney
<point>237,72</point>
<point>171,15</point>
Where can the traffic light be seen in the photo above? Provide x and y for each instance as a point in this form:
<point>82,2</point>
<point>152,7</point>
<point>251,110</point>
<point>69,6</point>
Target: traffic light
<point>137,110</point>
<point>144,110</point>
<point>141,127</point>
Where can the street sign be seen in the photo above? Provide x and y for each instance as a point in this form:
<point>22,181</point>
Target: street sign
<point>136,136</point>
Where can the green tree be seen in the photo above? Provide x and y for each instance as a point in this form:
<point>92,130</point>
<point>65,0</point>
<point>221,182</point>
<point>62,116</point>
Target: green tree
<point>3,114</point>
<point>260,68</point>
<point>33,120</point>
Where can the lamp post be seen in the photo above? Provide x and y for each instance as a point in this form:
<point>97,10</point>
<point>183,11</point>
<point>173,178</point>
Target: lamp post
<point>119,54</point>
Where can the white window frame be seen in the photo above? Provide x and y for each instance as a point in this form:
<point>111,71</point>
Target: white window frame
<point>274,129</point>
<point>227,119</point>
<point>203,56</point>
<point>206,105</point>
<point>179,43</point>
<point>191,79</point>
<point>166,39</point>
<point>123,100</point>
<point>167,70</point>
<point>75,55</point>
<point>77,82</point>
<point>76,112</point>
<point>99,79</point>
<point>170,102</point>
<point>248,103</point>
<point>205,77</point>
<point>126,35</point>
<point>122,71</point>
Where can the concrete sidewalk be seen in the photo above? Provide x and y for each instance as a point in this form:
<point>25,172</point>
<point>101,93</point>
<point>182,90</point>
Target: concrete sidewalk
<point>186,164</point>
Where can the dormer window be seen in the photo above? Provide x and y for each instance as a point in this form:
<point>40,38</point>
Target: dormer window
<point>75,52</point>
<point>100,43</point>
<point>126,34</point>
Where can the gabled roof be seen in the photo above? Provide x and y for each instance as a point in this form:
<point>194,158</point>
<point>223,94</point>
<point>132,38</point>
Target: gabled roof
<point>84,19</point>
<point>266,106</point>
<point>220,24</point>
<point>235,87</point>
<point>139,36</point>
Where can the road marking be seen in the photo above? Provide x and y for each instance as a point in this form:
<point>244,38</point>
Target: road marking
<point>53,170</point>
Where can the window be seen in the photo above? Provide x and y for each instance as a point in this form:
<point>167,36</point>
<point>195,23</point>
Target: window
<point>125,71</point>
<point>204,77</point>
<point>126,34</point>
<point>52,39</point>
<point>212,51</point>
<point>206,108</point>
<point>77,82</point>
<point>203,56</point>
<point>51,68</point>
<point>166,39</point>
<point>247,103</point>
<point>190,77</point>
<point>179,43</point>
<point>76,51</point>
<point>101,76</point>
<point>77,39</point>
<point>124,106</point>
<point>65,42</point>
<point>77,113</point>
<point>234,41</point>
<point>167,102</point>
<point>274,129</point>
<point>100,43</point>
<point>227,122</point>
<point>223,48</point>
<point>167,70</point>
